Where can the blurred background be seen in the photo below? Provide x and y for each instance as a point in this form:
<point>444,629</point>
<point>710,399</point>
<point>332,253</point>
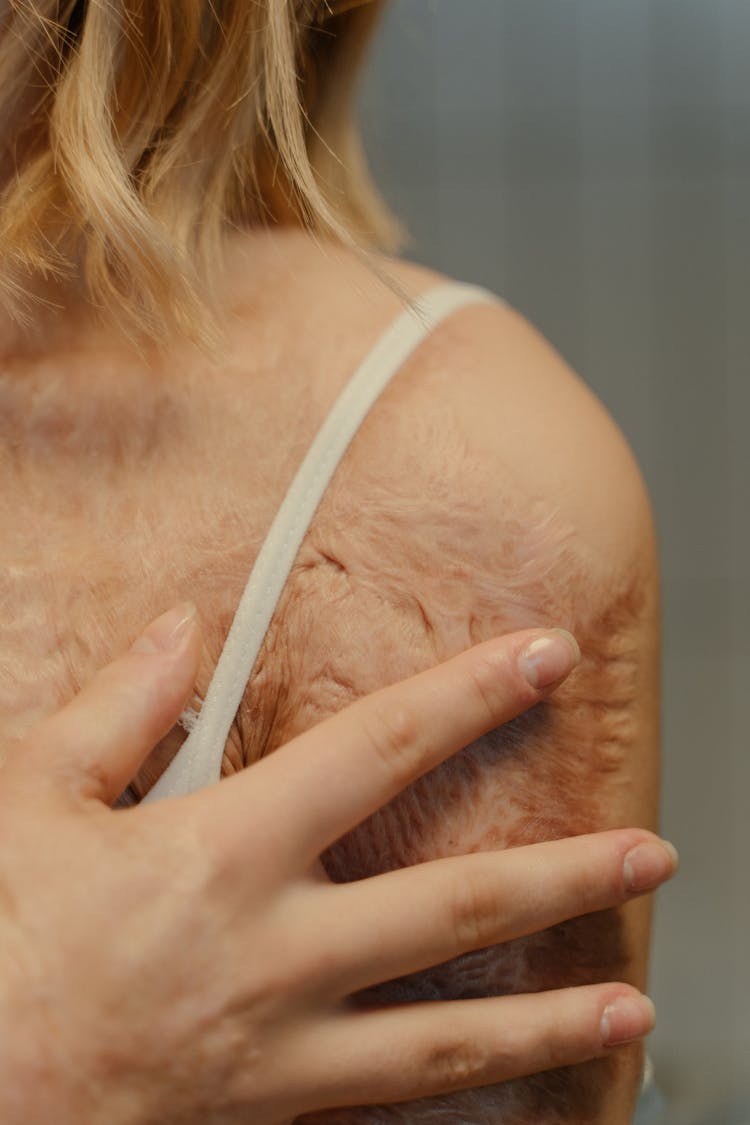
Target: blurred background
<point>589,160</point>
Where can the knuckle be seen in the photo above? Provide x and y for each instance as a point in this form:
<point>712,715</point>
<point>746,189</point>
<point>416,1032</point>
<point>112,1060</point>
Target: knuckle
<point>488,681</point>
<point>456,1065</point>
<point>96,779</point>
<point>395,739</point>
<point>474,912</point>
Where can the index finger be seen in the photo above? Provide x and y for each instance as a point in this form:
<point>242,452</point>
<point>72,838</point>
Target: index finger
<point>326,781</point>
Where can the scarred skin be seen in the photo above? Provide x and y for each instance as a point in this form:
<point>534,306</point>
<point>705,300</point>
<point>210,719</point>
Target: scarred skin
<point>487,491</point>
<point>149,977</point>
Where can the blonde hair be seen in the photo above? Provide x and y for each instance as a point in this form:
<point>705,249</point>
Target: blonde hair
<point>136,131</point>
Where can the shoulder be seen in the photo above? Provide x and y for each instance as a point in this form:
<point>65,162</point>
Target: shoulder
<point>490,443</point>
<point>485,401</point>
<point>487,490</point>
<point>485,442</point>
<point>524,432</point>
<point>492,491</point>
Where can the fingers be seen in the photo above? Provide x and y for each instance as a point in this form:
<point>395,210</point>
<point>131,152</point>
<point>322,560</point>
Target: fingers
<point>99,740</point>
<point>415,1050</point>
<point>398,923</point>
<point>332,777</point>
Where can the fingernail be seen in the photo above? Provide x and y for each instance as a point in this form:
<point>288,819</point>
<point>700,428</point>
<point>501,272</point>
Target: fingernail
<point>627,1018</point>
<point>169,632</point>
<point>550,658</point>
<point>648,865</point>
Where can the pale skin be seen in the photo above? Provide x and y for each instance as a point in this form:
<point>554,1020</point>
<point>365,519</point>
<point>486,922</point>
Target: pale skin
<point>154,977</point>
<point>487,492</point>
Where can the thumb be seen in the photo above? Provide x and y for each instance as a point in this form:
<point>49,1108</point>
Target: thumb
<point>98,741</point>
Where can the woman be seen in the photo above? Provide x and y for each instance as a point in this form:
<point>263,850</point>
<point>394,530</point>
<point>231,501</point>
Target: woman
<point>180,249</point>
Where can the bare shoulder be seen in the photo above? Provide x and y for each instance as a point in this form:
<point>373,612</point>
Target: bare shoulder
<point>532,510</point>
<point>526,433</point>
<point>484,403</point>
<point>489,456</point>
<point>488,490</point>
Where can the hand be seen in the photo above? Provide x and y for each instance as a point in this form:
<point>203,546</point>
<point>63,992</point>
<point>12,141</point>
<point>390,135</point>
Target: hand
<point>185,961</point>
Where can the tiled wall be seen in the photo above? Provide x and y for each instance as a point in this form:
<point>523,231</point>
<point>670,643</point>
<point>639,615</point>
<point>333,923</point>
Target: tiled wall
<point>590,160</point>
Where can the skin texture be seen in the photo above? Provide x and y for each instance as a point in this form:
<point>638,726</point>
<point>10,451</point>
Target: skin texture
<point>150,977</point>
<point>486,492</point>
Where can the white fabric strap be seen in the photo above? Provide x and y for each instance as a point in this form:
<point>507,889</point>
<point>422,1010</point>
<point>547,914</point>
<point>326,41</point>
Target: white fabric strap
<point>198,762</point>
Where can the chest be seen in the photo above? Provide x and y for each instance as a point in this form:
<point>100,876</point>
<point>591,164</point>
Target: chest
<point>117,498</point>
<point>122,496</point>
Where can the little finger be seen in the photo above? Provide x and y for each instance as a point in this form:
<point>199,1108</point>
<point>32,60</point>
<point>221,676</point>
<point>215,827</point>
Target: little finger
<point>416,1050</point>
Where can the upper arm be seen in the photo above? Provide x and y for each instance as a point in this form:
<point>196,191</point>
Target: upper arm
<point>498,495</point>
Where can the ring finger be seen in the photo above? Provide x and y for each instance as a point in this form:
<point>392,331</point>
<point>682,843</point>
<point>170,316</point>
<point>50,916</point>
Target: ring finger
<point>390,925</point>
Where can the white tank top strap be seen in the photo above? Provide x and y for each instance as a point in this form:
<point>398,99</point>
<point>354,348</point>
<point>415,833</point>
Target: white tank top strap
<point>198,761</point>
